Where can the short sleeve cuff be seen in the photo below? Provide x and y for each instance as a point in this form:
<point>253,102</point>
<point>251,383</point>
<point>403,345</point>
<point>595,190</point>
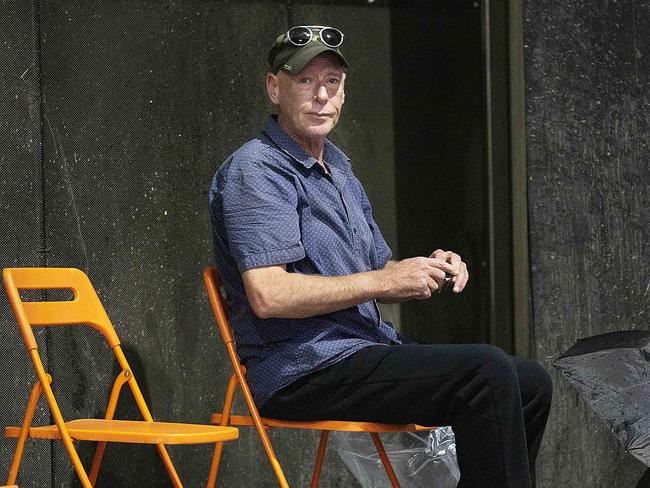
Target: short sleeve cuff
<point>271,258</point>
<point>384,256</point>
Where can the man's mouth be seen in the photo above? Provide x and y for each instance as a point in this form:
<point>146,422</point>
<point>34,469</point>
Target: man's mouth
<point>322,115</point>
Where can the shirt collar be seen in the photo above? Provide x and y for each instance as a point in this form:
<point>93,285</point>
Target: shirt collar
<point>332,154</point>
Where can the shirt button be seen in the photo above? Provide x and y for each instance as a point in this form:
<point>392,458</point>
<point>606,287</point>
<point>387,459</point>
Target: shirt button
<point>354,230</point>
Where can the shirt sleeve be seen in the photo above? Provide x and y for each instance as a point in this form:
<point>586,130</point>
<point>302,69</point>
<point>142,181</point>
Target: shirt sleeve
<point>261,217</point>
<point>381,246</point>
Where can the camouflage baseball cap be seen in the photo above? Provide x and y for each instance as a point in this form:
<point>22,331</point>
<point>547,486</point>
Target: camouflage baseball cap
<point>293,50</point>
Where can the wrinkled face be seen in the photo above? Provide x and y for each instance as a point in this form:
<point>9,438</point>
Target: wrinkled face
<point>309,103</point>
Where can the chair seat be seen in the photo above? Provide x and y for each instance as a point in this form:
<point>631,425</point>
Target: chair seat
<point>133,431</point>
<point>337,425</point>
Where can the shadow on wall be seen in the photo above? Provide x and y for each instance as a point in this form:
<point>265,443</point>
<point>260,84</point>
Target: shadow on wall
<point>644,482</point>
<point>121,460</point>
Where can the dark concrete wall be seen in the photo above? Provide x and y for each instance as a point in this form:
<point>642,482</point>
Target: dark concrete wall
<point>141,101</point>
<point>587,66</point>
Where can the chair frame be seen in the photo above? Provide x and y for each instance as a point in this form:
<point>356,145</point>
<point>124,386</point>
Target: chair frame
<point>212,283</point>
<point>86,308</point>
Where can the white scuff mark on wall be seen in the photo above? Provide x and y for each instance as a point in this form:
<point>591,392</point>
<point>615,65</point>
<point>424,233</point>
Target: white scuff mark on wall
<point>60,154</point>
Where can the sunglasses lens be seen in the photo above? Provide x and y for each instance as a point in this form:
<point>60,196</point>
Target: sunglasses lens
<point>299,35</point>
<point>331,37</point>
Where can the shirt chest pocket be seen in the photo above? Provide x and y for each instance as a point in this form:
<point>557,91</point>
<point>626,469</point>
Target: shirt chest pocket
<point>335,231</point>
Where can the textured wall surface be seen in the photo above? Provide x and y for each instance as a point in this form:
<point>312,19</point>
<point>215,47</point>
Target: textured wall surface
<point>141,101</point>
<point>21,239</point>
<point>108,171</point>
<point>587,68</point>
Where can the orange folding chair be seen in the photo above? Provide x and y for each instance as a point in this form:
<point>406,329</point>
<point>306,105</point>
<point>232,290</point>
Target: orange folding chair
<point>212,285</point>
<point>85,308</point>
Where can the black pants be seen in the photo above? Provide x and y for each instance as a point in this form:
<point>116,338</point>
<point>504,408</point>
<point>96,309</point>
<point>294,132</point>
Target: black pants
<point>496,404</point>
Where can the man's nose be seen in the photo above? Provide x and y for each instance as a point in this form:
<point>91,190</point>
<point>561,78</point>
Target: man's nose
<point>321,94</point>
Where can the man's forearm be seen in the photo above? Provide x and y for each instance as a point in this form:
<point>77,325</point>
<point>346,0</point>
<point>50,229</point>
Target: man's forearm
<point>273,292</point>
<point>280,294</point>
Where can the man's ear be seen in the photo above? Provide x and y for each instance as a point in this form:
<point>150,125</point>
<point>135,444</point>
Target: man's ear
<point>273,88</point>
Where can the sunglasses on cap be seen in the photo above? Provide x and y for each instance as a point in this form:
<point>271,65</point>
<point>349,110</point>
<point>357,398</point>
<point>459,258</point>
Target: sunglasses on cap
<point>301,35</point>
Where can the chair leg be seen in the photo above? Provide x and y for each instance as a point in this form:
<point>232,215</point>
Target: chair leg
<point>97,461</point>
<point>225,421</point>
<point>384,459</point>
<point>169,466</point>
<point>119,382</point>
<point>126,377</point>
<point>70,448</point>
<point>270,454</point>
<point>24,431</point>
<point>320,456</point>
<point>214,465</point>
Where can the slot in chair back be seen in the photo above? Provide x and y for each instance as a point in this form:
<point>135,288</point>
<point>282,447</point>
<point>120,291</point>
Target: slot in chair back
<point>85,308</point>
<point>212,282</point>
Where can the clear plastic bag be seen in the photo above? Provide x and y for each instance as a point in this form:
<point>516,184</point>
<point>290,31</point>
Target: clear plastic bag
<point>424,459</point>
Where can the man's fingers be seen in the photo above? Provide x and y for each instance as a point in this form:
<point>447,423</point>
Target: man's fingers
<point>437,274</point>
<point>461,279</point>
<point>432,284</point>
<point>449,256</point>
<point>422,293</point>
<point>442,255</point>
<point>442,265</point>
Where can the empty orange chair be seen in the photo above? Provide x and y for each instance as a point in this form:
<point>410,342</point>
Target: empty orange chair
<point>212,284</point>
<point>85,308</point>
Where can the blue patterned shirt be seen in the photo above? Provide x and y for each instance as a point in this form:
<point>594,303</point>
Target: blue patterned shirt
<point>271,203</point>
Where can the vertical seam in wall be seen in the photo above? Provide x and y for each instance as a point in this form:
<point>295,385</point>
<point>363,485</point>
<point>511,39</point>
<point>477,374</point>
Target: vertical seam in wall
<point>492,332</point>
<point>44,247</point>
<point>39,80</point>
<point>522,295</point>
<point>289,13</point>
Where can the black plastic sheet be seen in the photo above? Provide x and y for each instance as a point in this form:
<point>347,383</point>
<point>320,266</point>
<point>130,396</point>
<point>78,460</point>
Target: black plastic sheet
<point>612,373</point>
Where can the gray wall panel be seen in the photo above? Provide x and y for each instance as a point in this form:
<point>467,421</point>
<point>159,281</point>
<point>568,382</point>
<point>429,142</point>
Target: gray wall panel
<point>142,102</point>
<point>21,240</point>
<point>587,71</point>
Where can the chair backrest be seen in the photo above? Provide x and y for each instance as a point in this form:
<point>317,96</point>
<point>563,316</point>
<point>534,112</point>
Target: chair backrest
<point>212,282</point>
<point>84,308</point>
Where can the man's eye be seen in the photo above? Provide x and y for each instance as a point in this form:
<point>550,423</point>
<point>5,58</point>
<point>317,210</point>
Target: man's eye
<point>305,80</point>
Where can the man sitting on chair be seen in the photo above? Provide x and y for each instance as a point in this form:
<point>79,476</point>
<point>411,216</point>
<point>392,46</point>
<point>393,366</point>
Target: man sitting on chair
<point>303,264</point>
